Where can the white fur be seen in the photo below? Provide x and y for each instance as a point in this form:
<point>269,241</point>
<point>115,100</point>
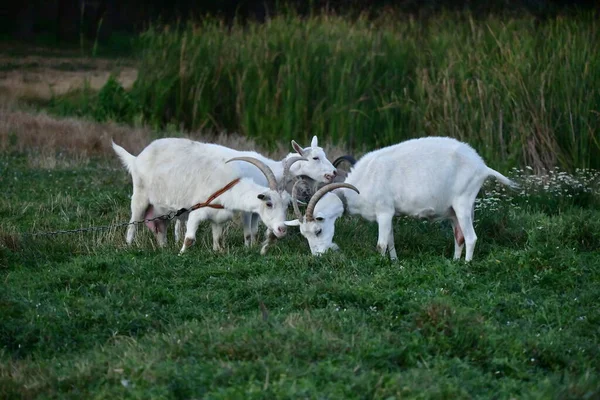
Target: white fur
<point>170,174</point>
<point>434,177</point>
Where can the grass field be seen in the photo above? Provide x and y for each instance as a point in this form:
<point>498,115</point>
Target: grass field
<point>85,316</point>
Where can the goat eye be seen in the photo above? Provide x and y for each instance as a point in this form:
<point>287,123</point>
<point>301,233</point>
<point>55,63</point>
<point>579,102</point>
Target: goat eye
<point>318,232</point>
<point>316,158</point>
<point>269,204</point>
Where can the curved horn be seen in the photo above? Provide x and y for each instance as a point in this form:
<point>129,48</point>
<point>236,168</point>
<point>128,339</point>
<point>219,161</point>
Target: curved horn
<point>351,160</point>
<point>320,193</point>
<point>295,202</point>
<point>287,164</point>
<point>263,168</point>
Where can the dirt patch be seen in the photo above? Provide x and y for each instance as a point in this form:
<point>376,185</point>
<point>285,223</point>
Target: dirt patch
<point>36,77</point>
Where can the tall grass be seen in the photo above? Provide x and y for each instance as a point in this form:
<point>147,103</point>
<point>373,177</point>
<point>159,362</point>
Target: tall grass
<point>521,91</point>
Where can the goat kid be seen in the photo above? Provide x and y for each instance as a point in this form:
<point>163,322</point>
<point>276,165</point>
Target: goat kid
<point>435,178</point>
<point>170,174</point>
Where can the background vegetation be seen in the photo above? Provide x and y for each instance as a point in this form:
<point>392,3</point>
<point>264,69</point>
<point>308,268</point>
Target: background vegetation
<point>520,90</point>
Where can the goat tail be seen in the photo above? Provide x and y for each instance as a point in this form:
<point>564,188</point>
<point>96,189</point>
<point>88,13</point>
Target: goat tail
<point>127,159</point>
<point>501,178</point>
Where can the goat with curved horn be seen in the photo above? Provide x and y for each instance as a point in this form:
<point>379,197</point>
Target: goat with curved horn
<point>433,177</point>
<point>323,209</point>
<point>175,173</point>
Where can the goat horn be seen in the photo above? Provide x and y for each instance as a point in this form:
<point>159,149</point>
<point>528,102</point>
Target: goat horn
<point>295,202</point>
<point>287,164</point>
<point>351,160</point>
<point>263,168</point>
<point>320,193</point>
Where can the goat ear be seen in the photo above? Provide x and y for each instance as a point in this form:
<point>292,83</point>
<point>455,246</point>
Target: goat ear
<point>297,147</point>
<point>314,142</point>
<point>294,222</point>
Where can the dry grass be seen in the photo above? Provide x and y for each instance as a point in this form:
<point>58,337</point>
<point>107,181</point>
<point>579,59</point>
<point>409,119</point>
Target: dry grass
<point>53,142</point>
<point>45,137</point>
<point>35,77</point>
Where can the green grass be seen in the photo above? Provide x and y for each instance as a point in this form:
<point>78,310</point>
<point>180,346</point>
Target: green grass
<point>85,316</point>
<point>518,88</point>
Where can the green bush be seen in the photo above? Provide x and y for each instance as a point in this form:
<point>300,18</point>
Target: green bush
<point>111,103</point>
<point>114,103</point>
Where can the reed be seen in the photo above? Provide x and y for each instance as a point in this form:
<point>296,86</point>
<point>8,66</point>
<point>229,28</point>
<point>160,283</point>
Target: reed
<point>520,90</point>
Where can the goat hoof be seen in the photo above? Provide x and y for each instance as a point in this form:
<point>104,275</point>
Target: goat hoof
<point>188,242</point>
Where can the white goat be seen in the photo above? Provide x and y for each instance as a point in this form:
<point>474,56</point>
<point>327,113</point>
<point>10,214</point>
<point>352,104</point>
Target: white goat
<point>170,174</point>
<point>434,177</point>
<point>314,164</point>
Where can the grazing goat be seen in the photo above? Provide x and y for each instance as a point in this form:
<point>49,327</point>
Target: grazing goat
<point>313,164</point>
<point>434,177</point>
<point>171,174</point>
